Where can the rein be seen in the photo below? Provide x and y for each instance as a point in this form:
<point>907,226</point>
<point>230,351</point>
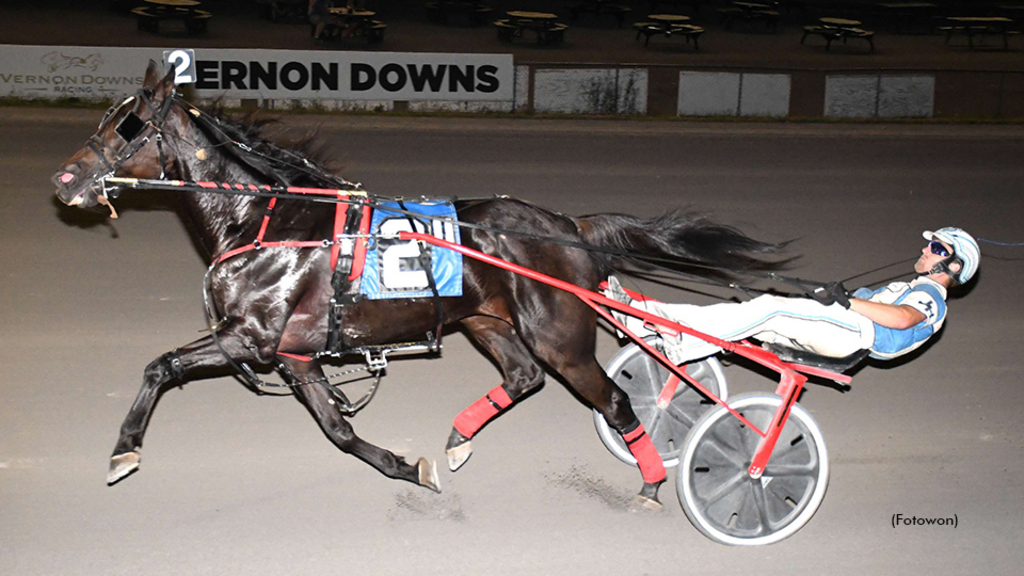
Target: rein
<point>334,196</point>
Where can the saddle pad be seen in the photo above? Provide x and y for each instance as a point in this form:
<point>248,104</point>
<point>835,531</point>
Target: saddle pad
<point>393,268</point>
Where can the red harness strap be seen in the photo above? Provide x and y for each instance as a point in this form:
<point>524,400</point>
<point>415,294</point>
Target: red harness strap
<point>359,258</point>
<point>299,357</point>
<point>340,217</point>
<point>259,243</point>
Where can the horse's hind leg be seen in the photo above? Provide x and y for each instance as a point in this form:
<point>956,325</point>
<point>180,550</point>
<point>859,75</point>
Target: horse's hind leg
<point>591,382</point>
<point>323,405</point>
<point>521,373</point>
<point>566,343</point>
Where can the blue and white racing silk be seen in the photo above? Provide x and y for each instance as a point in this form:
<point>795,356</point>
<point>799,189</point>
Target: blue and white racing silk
<point>924,295</point>
<point>393,267</point>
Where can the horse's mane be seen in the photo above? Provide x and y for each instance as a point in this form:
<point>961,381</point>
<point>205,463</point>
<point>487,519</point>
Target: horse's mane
<point>299,163</point>
<point>281,163</point>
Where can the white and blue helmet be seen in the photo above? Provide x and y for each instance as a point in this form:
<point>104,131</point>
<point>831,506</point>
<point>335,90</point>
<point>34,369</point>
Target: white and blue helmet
<point>965,251</point>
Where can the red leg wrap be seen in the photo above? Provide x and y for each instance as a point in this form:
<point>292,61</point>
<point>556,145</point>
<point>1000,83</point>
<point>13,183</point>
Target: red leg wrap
<point>470,420</point>
<point>651,466</point>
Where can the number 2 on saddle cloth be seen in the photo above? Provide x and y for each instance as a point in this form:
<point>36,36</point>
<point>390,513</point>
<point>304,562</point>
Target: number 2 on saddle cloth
<point>384,267</point>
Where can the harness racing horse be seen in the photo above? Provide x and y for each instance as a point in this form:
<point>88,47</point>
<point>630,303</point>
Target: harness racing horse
<point>274,304</point>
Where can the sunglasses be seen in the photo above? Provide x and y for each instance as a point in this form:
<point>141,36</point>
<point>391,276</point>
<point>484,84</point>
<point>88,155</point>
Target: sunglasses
<point>938,249</point>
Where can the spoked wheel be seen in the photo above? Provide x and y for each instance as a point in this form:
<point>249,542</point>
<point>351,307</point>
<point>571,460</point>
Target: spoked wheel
<point>718,494</point>
<point>642,377</point>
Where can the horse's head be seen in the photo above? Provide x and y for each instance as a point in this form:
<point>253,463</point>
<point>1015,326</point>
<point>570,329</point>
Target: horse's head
<point>125,144</point>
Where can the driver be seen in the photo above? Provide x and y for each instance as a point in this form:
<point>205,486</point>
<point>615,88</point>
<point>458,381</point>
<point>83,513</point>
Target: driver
<point>890,322</point>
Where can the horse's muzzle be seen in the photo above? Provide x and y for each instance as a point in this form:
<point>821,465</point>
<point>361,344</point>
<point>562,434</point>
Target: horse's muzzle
<point>73,189</point>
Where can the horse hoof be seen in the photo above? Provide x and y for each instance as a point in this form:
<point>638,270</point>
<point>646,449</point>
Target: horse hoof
<point>122,465</point>
<point>428,474</point>
<point>645,503</point>
<point>457,455</point>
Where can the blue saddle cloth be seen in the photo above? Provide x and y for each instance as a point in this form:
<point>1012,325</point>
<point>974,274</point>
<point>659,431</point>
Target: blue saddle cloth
<point>393,267</point>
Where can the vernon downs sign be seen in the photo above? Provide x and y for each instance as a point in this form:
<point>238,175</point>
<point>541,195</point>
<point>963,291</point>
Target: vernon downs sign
<point>104,72</point>
<point>354,75</point>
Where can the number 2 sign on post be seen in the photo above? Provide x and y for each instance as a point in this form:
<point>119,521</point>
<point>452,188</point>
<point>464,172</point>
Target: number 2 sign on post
<point>184,63</point>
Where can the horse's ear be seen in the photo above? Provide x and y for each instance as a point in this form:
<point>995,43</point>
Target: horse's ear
<point>153,75</point>
<point>158,83</point>
<point>166,86</point>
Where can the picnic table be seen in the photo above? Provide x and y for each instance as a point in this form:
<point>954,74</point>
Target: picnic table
<point>668,25</point>
<point>971,26</point>
<point>832,29</point>
<point>351,22</point>
<point>544,25</point>
<point>471,11</point>
<point>187,11</point>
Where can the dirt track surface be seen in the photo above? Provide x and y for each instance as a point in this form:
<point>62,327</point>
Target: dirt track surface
<point>237,24</point>
<point>232,483</point>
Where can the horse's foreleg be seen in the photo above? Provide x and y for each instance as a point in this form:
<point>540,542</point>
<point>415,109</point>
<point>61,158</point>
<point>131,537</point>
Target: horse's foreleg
<point>521,373</point>
<point>323,405</point>
<point>202,356</point>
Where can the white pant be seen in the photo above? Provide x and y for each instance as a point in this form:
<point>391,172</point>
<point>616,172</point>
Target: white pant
<point>795,322</point>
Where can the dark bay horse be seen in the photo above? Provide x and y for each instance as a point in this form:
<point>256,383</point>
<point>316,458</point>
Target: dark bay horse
<point>275,302</point>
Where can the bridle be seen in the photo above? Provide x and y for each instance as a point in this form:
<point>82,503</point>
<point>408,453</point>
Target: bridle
<point>135,135</point>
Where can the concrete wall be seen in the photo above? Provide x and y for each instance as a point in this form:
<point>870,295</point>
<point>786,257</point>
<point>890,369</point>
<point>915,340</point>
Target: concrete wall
<point>724,93</point>
<point>879,96</point>
<point>590,91</point>
<point>733,94</point>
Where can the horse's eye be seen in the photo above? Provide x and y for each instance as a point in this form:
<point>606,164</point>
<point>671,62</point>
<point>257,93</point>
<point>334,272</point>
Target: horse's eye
<point>129,127</point>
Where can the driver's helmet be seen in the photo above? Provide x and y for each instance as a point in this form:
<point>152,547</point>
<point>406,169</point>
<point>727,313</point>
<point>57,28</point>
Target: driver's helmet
<point>965,251</point>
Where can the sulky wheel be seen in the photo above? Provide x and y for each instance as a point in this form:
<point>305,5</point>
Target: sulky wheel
<point>718,494</point>
<point>642,377</point>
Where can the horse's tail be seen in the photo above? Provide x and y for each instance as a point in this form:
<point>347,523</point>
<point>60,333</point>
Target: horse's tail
<point>683,238</point>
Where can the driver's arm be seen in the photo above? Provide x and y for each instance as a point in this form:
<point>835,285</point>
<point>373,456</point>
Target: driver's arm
<point>898,316</point>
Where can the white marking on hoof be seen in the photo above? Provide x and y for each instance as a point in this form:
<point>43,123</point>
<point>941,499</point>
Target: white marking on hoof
<point>122,465</point>
<point>428,474</point>
<point>457,455</point>
<point>648,504</point>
